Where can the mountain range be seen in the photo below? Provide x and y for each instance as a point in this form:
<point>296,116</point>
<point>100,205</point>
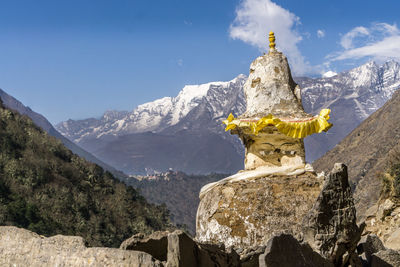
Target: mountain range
<point>185,132</point>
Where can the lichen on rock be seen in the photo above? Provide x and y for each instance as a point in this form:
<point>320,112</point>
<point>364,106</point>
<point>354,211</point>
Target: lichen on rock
<point>248,213</point>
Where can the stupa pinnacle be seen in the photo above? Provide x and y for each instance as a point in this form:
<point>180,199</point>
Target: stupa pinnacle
<point>272,41</point>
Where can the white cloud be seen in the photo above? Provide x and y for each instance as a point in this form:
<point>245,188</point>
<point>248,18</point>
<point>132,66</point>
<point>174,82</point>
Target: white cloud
<point>255,18</point>
<point>179,62</point>
<point>381,50</point>
<point>381,41</point>
<point>347,39</point>
<point>321,34</point>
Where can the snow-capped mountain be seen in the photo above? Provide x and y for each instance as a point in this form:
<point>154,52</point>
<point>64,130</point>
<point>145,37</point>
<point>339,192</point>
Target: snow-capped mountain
<point>352,96</point>
<point>199,109</point>
<point>152,116</point>
<point>329,74</point>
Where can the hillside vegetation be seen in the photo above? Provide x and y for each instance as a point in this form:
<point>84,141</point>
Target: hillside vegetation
<point>179,191</point>
<point>391,177</point>
<point>47,189</point>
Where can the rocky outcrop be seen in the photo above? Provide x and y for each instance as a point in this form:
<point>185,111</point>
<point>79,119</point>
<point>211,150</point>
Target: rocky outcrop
<point>19,247</point>
<point>317,216</point>
<point>247,213</point>
<point>286,251</point>
<point>177,249</point>
<point>156,244</point>
<point>330,226</point>
<point>183,251</point>
<point>383,220</point>
<point>385,258</point>
<point>369,245</point>
<point>366,151</point>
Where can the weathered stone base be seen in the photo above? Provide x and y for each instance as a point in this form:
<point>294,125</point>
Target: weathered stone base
<point>248,213</point>
<point>20,247</point>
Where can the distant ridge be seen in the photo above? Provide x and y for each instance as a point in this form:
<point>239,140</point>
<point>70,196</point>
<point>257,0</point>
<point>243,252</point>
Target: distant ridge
<point>366,152</point>
<point>12,103</point>
<point>183,133</point>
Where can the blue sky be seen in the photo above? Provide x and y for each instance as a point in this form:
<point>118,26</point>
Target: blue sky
<point>78,58</point>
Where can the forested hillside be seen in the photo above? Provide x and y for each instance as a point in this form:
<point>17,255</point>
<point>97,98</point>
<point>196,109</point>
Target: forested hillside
<point>46,188</point>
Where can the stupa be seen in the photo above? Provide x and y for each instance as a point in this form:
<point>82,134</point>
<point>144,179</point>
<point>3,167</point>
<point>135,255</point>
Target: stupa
<point>276,187</point>
<point>274,124</point>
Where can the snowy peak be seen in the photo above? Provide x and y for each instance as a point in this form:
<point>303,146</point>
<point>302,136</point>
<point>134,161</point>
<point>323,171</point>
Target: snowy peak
<point>151,116</point>
<point>329,74</point>
<point>369,86</point>
<point>192,95</point>
<point>366,74</point>
<point>111,115</point>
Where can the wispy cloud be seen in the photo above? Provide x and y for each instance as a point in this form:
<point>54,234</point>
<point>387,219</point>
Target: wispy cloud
<point>321,34</point>
<point>380,41</point>
<point>255,18</point>
<point>179,62</point>
<point>347,40</point>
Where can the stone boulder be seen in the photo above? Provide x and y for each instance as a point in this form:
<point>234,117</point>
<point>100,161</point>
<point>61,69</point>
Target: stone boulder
<point>247,213</point>
<point>156,244</point>
<point>393,240</point>
<point>369,245</point>
<point>383,220</point>
<point>250,256</point>
<point>183,251</point>
<point>19,247</point>
<point>285,251</point>
<point>177,249</point>
<point>330,226</point>
<point>385,258</point>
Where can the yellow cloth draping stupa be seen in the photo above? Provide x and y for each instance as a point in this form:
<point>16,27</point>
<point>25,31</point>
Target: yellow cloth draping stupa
<point>270,91</point>
<point>293,128</point>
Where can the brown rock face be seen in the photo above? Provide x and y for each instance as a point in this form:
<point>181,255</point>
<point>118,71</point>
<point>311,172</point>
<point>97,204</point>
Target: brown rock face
<point>248,213</point>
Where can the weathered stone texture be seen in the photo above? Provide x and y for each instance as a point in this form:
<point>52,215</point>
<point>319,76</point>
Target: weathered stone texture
<point>156,244</point>
<point>383,220</point>
<point>248,213</point>
<point>250,257</point>
<point>285,251</point>
<point>330,227</point>
<point>369,245</point>
<point>183,251</point>
<point>177,249</point>
<point>270,89</point>
<point>20,247</point>
<point>385,258</point>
